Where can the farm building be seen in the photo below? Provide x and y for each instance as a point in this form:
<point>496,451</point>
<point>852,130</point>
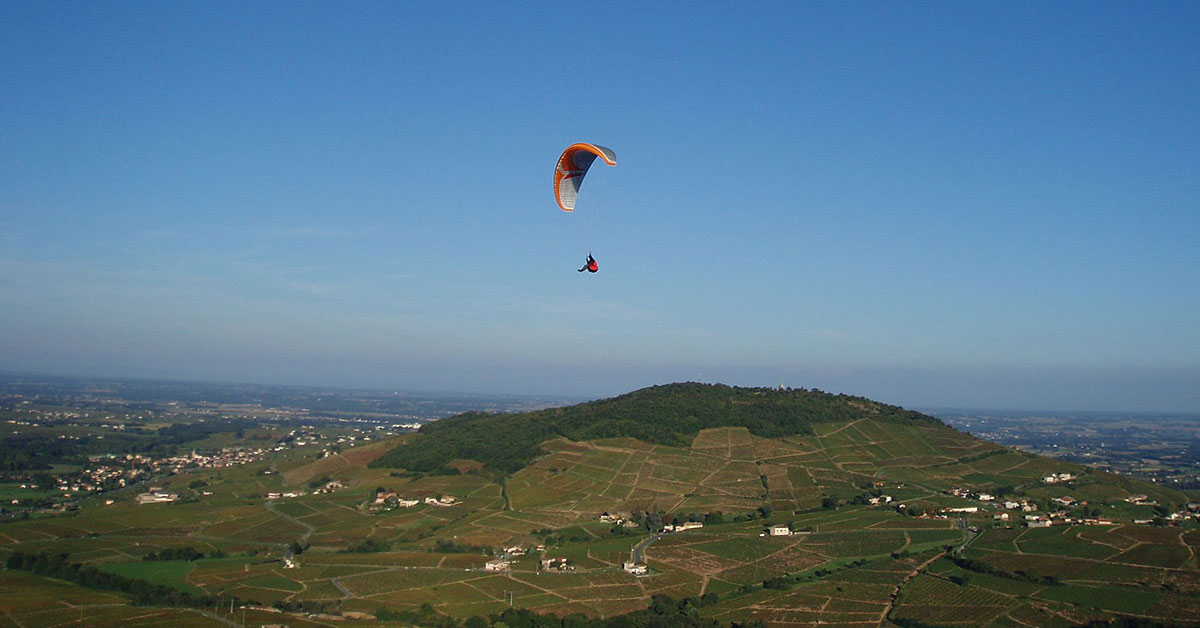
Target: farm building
<point>157,498</point>
<point>556,564</point>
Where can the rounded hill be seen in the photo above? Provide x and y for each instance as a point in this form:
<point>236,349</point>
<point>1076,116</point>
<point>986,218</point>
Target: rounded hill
<point>670,414</point>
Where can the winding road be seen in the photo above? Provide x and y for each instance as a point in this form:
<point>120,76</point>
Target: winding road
<point>640,549</point>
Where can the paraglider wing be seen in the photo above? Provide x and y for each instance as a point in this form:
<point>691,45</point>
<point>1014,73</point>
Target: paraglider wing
<point>571,168</point>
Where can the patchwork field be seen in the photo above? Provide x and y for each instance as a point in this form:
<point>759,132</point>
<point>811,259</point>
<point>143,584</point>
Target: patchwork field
<point>848,563</point>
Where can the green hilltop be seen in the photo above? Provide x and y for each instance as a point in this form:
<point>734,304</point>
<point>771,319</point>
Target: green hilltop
<point>671,414</point>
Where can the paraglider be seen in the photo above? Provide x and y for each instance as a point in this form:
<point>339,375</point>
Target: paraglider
<point>572,166</point>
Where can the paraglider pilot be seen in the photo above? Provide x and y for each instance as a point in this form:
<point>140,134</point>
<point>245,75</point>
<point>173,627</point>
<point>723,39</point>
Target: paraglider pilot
<point>591,266</point>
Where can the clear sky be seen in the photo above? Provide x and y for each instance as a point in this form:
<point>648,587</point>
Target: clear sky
<point>929,204</point>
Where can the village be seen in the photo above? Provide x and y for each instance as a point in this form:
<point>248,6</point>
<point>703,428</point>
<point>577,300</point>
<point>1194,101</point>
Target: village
<point>1026,511</point>
<point>58,491</point>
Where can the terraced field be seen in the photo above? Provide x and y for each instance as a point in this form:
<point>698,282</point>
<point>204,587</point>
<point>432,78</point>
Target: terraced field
<point>853,565</point>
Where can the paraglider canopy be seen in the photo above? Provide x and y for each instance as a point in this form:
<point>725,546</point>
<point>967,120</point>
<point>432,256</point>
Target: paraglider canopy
<point>571,168</point>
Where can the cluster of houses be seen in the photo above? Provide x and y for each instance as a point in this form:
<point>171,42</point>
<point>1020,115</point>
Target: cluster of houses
<point>113,472</point>
<point>1026,507</point>
<point>389,498</point>
<point>1192,511</point>
<point>621,519</point>
<point>226,457</point>
<point>386,500</point>
<point>331,486</point>
<point>965,494</point>
<point>1021,503</point>
<point>351,440</point>
<point>556,564</point>
<point>504,562</point>
<point>618,519</point>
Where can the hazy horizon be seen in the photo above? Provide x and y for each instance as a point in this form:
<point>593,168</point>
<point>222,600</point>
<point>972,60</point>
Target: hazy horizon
<point>581,397</point>
<point>926,204</point>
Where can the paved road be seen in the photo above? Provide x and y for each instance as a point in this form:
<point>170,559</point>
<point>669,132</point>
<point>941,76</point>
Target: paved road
<point>971,534</point>
<point>640,549</point>
<point>337,582</point>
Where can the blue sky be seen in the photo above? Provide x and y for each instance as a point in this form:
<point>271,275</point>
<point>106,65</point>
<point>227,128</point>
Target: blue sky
<point>930,204</point>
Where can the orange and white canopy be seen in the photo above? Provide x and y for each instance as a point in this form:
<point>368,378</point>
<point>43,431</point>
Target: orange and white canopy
<point>571,168</point>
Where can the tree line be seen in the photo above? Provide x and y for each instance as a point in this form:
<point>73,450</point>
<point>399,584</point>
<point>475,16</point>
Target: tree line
<point>663,612</point>
<point>141,591</point>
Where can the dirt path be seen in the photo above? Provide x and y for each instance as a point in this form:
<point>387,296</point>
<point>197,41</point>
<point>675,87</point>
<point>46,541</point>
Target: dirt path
<point>896,592</point>
<point>308,527</point>
<point>850,424</point>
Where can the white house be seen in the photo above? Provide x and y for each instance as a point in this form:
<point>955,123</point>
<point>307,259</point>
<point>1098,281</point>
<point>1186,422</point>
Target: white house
<point>156,498</point>
<point>780,530</point>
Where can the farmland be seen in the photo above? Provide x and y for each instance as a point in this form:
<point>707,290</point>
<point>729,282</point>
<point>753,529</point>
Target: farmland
<point>314,531</point>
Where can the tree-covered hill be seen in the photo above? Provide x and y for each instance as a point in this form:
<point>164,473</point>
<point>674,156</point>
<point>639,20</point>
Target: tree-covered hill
<point>669,415</point>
